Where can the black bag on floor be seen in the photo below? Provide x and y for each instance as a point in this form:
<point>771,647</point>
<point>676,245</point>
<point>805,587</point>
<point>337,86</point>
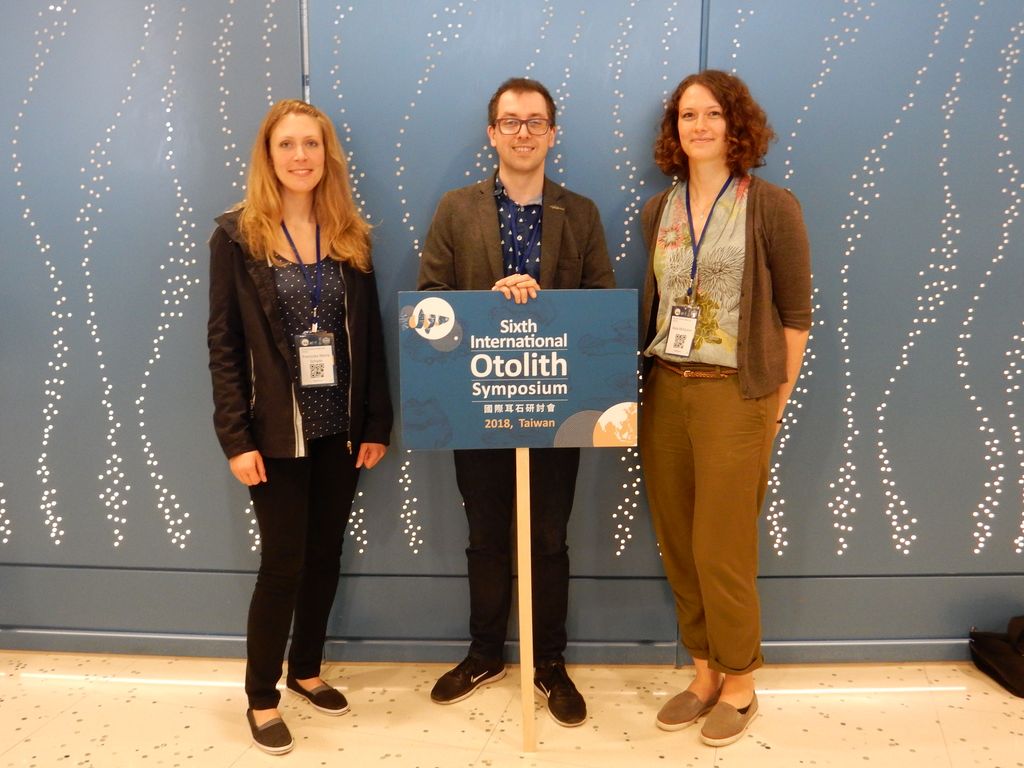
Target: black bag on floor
<point>1001,655</point>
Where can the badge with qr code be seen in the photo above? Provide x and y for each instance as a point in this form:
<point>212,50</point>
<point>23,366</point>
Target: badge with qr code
<point>682,327</point>
<point>316,359</point>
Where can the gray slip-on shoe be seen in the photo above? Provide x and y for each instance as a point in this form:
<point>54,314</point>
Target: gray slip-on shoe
<point>683,710</point>
<point>725,724</point>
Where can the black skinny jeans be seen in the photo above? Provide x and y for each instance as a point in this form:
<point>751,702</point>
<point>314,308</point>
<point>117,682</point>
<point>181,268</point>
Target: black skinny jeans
<point>302,511</point>
<point>486,479</point>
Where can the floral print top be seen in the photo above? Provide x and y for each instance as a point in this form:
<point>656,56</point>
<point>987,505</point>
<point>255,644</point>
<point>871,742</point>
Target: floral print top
<point>719,274</point>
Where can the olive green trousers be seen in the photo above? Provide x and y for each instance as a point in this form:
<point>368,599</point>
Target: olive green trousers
<point>706,452</point>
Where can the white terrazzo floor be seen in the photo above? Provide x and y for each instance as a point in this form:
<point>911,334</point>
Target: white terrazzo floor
<point>94,711</point>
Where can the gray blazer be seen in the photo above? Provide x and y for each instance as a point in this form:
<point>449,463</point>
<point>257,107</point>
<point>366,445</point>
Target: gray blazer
<point>463,247</point>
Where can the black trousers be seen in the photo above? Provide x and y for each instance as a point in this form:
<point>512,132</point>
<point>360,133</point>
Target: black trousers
<point>302,511</point>
<point>486,479</point>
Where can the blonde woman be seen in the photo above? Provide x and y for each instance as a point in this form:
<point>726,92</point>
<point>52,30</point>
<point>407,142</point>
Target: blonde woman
<point>300,392</point>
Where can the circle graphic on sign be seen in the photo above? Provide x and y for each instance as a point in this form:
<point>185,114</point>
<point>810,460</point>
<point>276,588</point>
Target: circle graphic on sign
<point>616,427</point>
<point>433,318</point>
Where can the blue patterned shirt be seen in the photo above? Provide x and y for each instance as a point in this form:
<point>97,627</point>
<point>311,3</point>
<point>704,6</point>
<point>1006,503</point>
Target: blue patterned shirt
<point>520,233</point>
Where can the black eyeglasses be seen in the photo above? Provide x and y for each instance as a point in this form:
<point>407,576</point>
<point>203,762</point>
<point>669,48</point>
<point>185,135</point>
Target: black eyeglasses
<point>510,126</point>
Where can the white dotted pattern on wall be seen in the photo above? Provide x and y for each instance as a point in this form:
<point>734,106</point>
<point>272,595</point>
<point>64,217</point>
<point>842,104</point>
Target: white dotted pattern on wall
<point>179,270</point>
<point>409,514</point>
<point>447,28</point>
<point>222,46</point>
<point>1014,190</point>
<point>742,16</point>
<point>845,36</point>
<point>234,161</point>
<point>254,528</point>
<point>180,267</point>
<point>866,193</point>
<point>987,507</point>
<point>5,523</point>
<point>938,286</point>
<point>355,174</point>
<point>626,166</point>
<point>357,526</point>
<point>856,12</point>
<point>54,25</point>
<point>560,93</point>
<point>1013,373</point>
<point>270,26</point>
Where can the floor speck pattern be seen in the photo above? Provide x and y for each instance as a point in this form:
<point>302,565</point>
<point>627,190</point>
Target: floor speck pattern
<point>93,711</point>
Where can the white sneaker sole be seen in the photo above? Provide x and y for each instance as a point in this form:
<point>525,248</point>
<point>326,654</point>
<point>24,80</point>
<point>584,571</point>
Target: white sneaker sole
<point>538,692</point>
<point>274,750</point>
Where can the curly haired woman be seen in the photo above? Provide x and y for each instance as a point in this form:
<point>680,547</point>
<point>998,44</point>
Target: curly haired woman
<point>726,315</point>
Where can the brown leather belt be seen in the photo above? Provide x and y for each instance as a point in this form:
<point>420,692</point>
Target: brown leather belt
<point>695,372</point>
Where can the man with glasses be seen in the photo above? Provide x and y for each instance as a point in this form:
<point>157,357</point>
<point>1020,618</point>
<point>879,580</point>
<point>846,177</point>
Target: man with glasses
<point>518,232</point>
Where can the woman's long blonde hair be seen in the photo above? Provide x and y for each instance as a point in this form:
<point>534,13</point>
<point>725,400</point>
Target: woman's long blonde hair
<point>344,233</point>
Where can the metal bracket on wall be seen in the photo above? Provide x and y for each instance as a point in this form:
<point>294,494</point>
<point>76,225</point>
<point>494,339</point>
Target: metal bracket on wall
<point>304,46</point>
<point>705,27</point>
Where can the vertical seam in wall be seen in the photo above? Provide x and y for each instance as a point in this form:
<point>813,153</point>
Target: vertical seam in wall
<point>304,46</point>
<point>705,25</point>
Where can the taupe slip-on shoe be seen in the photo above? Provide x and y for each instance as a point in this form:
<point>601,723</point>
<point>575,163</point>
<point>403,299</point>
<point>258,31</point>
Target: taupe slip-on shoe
<point>683,710</point>
<point>725,724</point>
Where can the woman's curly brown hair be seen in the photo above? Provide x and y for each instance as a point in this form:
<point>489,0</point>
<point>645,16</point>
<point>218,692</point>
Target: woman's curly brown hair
<point>747,129</point>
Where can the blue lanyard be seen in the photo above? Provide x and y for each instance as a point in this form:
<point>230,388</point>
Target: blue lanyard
<point>521,253</point>
<point>694,241</point>
<point>314,288</point>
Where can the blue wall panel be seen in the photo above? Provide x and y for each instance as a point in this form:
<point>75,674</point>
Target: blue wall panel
<point>896,516</point>
<point>897,130</point>
<point>128,127</point>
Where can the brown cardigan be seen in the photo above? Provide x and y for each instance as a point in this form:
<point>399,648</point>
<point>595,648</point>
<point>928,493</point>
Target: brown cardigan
<point>776,288</point>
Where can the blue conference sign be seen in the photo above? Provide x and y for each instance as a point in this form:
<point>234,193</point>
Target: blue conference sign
<point>480,371</point>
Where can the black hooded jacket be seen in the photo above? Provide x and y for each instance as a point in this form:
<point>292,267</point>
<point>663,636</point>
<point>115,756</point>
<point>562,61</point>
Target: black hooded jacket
<point>252,365</point>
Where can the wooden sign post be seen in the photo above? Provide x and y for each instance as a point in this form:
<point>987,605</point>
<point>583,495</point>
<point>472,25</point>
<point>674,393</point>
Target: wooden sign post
<point>525,569</point>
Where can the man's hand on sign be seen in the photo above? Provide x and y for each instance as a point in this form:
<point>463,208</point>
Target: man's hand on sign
<point>519,288</point>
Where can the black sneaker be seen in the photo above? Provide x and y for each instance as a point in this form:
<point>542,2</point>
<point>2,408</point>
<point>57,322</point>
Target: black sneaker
<point>456,684</point>
<point>565,704</point>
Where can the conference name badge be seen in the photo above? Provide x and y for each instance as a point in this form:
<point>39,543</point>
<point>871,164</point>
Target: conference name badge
<point>681,330</point>
<point>316,359</point>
